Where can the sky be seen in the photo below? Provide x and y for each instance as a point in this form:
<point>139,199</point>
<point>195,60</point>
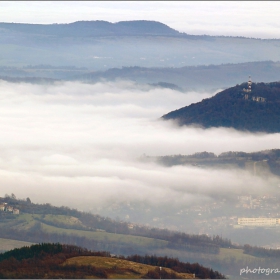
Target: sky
<point>257,19</point>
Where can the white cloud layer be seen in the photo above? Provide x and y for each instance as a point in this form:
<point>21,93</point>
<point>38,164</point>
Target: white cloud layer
<point>79,145</point>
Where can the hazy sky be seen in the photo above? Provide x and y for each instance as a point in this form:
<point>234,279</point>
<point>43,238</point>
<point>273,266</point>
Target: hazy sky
<point>236,18</point>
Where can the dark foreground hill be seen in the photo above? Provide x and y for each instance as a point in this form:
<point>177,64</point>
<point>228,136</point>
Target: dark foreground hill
<point>67,261</point>
<point>254,111</point>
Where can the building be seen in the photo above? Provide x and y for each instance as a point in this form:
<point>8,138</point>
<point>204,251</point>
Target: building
<point>258,222</point>
<point>258,99</point>
<point>15,211</point>
<point>5,207</point>
<point>9,208</point>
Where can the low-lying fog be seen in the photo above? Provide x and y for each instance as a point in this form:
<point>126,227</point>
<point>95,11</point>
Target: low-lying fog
<point>79,145</point>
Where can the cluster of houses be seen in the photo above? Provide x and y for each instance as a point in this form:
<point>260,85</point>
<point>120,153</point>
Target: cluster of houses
<point>7,208</point>
<point>255,98</point>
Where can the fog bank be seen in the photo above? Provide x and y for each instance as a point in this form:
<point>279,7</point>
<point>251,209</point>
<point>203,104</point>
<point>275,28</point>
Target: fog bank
<point>79,145</point>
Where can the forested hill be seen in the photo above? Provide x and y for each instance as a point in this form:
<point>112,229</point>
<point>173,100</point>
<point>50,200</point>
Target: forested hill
<point>255,111</point>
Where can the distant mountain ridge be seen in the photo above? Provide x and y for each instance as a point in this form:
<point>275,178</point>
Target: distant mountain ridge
<point>255,111</point>
<point>93,28</point>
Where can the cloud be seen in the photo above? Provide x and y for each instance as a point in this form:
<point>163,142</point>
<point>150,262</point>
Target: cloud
<point>79,145</point>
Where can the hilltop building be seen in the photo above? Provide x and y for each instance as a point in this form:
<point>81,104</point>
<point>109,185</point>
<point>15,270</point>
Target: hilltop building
<point>248,90</point>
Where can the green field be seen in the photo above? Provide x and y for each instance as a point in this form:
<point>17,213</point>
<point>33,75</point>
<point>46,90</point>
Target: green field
<point>235,253</point>
<point>106,236</point>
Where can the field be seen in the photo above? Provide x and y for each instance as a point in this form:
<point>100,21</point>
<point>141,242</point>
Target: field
<point>131,270</point>
<point>235,253</point>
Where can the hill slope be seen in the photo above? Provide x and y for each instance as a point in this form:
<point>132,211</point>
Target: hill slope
<point>255,111</point>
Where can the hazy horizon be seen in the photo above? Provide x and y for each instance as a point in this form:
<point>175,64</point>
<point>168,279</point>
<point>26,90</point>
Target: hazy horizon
<point>255,19</point>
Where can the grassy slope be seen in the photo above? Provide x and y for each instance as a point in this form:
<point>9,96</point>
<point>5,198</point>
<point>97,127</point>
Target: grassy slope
<point>28,221</point>
<point>102,262</point>
<point>98,236</point>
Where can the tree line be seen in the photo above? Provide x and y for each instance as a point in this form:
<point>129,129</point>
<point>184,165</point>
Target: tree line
<point>261,252</point>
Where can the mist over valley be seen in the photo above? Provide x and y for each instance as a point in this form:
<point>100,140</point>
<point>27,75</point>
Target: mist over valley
<point>87,142</point>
